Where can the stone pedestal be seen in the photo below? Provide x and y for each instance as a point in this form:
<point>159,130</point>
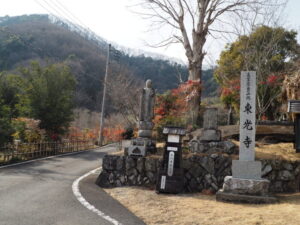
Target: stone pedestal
<point>210,135</point>
<point>145,129</point>
<point>245,190</point>
<point>140,147</point>
<point>246,169</point>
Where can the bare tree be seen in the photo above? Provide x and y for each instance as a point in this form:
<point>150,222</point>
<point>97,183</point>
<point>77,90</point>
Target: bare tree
<point>124,92</point>
<point>192,21</point>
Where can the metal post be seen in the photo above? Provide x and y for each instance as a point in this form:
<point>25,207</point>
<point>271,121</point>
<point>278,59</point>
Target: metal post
<point>104,98</point>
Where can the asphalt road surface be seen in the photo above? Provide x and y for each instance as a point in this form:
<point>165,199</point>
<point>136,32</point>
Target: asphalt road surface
<point>40,193</point>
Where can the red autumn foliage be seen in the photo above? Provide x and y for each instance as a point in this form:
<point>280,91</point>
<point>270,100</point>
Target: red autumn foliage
<point>264,117</point>
<point>230,92</point>
<point>110,134</point>
<point>54,137</point>
<point>175,103</point>
<point>86,134</point>
<point>113,134</point>
<point>275,80</point>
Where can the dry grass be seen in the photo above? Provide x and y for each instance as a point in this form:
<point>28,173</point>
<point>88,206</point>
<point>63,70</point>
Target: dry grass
<point>192,209</point>
<point>282,151</point>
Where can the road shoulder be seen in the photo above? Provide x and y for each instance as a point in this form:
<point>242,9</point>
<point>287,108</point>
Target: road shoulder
<point>105,203</point>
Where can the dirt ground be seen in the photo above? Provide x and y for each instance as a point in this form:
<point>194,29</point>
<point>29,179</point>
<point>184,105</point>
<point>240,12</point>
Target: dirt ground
<point>194,209</point>
<point>200,209</point>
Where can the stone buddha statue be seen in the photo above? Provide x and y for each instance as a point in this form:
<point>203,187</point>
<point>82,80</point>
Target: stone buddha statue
<point>146,110</point>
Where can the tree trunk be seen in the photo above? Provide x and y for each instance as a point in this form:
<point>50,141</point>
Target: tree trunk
<point>195,75</point>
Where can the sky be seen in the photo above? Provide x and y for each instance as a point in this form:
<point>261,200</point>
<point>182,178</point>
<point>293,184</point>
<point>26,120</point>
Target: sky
<point>115,21</point>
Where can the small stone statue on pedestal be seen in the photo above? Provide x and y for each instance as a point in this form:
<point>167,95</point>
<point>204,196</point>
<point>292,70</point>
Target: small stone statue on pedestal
<point>146,111</point>
<point>144,144</point>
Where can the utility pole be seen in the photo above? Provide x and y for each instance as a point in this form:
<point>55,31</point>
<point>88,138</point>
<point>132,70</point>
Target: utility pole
<point>104,98</point>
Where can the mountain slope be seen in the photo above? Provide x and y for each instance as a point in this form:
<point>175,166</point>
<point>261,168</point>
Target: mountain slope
<point>36,37</point>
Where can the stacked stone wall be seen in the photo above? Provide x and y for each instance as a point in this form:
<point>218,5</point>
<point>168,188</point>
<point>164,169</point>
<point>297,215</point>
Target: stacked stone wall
<point>201,172</point>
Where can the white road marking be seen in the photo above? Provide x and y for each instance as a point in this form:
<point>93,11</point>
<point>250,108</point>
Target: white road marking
<point>85,203</point>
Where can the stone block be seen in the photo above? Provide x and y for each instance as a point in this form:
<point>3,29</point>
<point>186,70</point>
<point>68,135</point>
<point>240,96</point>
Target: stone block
<point>210,135</point>
<point>252,199</point>
<point>210,118</point>
<point>102,180</point>
<point>130,163</point>
<point>140,164</point>
<point>208,164</point>
<point>246,186</point>
<point>267,169</point>
<point>109,162</point>
<point>246,169</point>
<point>297,170</point>
<point>151,177</point>
<point>145,133</point>
<point>211,147</point>
<point>141,146</point>
<point>150,165</point>
<point>120,165</point>
<point>196,171</point>
<point>287,166</point>
<point>194,145</point>
<point>134,150</point>
<point>146,125</point>
<point>285,175</point>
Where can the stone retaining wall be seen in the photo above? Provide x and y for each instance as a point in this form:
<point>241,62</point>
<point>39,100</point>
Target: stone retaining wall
<point>201,172</point>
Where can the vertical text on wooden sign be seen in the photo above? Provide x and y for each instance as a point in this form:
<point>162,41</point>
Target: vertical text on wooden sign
<point>171,163</point>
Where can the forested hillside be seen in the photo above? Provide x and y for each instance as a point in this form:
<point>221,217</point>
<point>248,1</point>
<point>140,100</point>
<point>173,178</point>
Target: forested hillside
<point>36,37</point>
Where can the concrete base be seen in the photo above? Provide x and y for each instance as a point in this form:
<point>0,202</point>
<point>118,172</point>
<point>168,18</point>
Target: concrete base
<point>252,199</point>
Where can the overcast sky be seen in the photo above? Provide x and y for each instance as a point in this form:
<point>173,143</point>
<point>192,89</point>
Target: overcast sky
<point>114,21</point>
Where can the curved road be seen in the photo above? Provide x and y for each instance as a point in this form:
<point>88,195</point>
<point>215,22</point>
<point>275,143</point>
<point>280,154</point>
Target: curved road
<point>40,193</point>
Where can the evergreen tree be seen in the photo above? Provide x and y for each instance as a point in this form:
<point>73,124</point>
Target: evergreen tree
<point>51,92</point>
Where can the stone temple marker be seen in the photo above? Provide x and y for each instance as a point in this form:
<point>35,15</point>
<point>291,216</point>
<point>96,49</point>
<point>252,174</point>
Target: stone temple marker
<point>246,183</point>
<point>144,144</point>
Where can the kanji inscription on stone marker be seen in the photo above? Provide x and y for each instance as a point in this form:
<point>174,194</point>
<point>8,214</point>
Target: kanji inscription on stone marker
<point>247,115</point>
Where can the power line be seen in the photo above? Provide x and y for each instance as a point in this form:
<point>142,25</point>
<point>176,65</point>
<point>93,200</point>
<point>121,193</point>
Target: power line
<point>65,9</point>
<point>61,14</point>
<point>44,7</point>
<point>66,16</point>
<point>54,9</point>
<point>57,13</point>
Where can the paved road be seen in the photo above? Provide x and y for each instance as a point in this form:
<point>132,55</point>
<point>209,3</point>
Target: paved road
<point>40,193</point>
